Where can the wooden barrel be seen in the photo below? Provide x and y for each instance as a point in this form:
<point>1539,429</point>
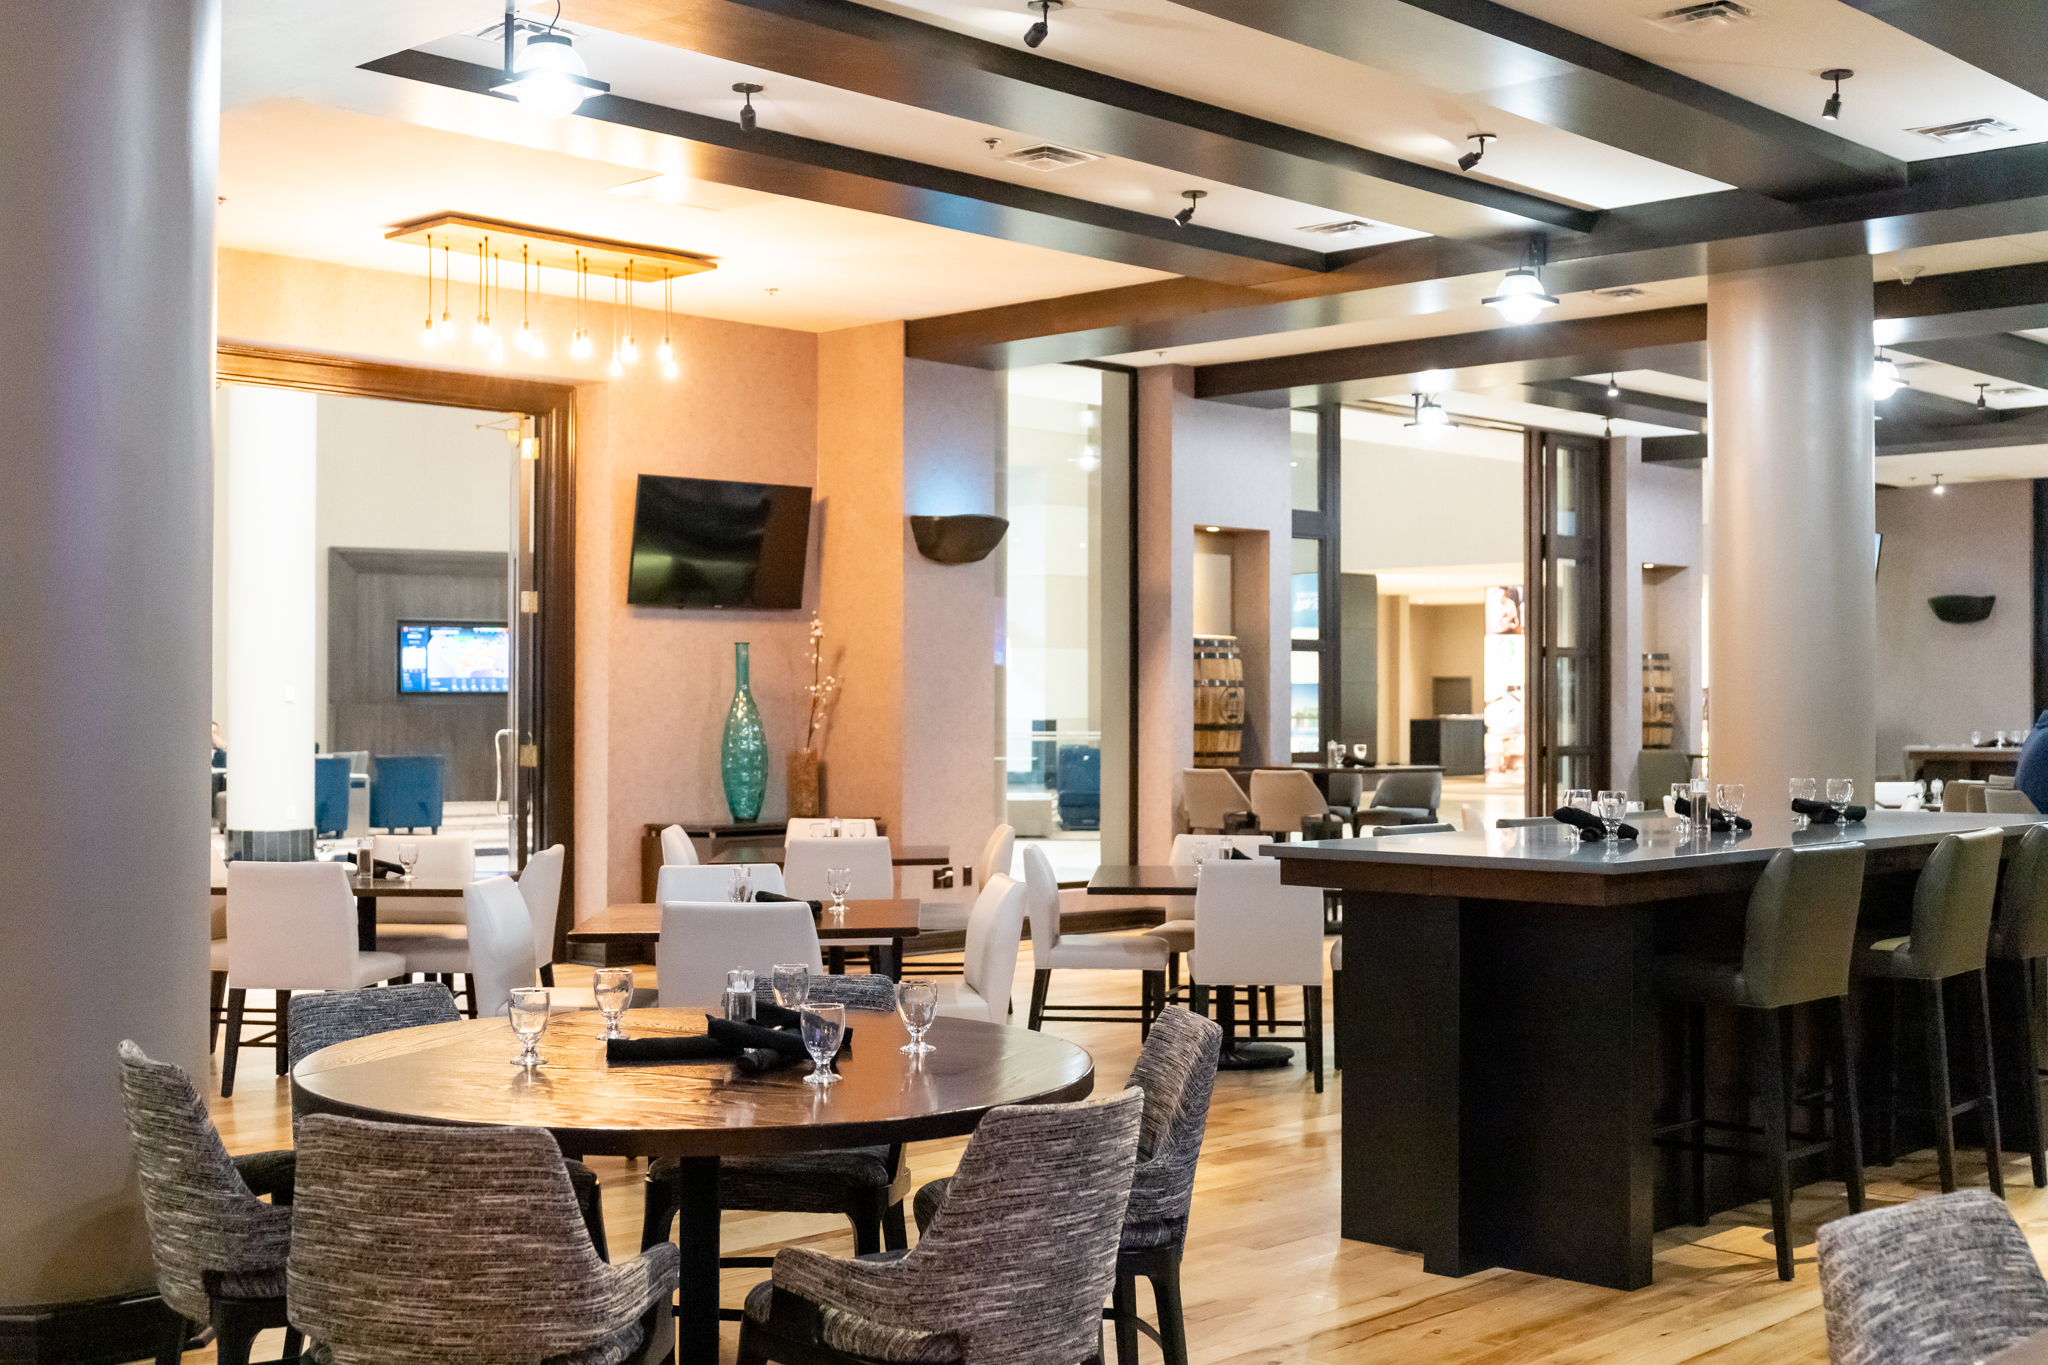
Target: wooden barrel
<point>1219,701</point>
<point>1660,703</point>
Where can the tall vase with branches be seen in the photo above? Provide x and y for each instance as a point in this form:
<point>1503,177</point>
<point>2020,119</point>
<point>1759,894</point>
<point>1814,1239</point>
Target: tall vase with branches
<point>805,777</point>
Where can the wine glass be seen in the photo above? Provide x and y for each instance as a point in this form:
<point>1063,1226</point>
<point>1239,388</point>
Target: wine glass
<point>528,1010</point>
<point>1841,791</point>
<point>1803,789</point>
<point>1728,797</point>
<point>823,1026</point>
<point>1579,798</point>
<point>1976,738</point>
<point>839,881</point>
<point>792,984</point>
<point>613,987</point>
<point>1361,752</point>
<point>408,854</point>
<point>835,828</point>
<point>918,1002</point>
<point>1613,808</point>
<point>1201,852</point>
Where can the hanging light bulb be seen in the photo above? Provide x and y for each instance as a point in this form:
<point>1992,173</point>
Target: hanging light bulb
<point>427,329</point>
<point>629,352</point>
<point>549,77</point>
<point>615,367</point>
<point>1939,491</point>
<point>1088,461</point>
<point>1522,298</point>
<point>497,352</point>
<point>1613,389</point>
<point>665,351</point>
<point>579,345</point>
<point>446,327</point>
<point>669,369</point>
<point>1427,413</point>
<point>1884,378</point>
<point>481,333</point>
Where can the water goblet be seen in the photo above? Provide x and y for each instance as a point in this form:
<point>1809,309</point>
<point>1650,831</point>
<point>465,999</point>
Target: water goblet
<point>1613,808</point>
<point>918,1002</point>
<point>823,1026</point>
<point>613,987</point>
<point>527,1007</point>
<point>1841,791</point>
<point>1976,738</point>
<point>1201,853</point>
<point>1361,752</point>
<point>839,881</point>
<point>1728,796</point>
<point>1804,789</point>
<point>792,984</point>
<point>740,886</point>
<point>408,855</point>
<point>1579,798</point>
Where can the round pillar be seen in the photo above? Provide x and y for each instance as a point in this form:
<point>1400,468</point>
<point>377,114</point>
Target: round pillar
<point>108,132</point>
<point>1791,528</point>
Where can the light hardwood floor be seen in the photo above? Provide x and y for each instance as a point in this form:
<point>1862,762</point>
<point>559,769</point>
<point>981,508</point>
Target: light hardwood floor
<point>1267,1281</point>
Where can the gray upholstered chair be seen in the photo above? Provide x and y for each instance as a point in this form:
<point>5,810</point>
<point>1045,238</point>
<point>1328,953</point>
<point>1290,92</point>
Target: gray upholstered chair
<point>1952,904</point>
<point>866,1184</point>
<point>1013,1268</point>
<point>1946,1280</point>
<point>219,1250</point>
<point>1404,799</point>
<point>2019,942</point>
<point>1798,942</point>
<point>502,1270</point>
<point>2007,801</point>
<point>1177,1072</point>
<point>1210,797</point>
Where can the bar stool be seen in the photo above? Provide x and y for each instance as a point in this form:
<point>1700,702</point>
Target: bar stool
<point>2019,941</point>
<point>1951,927</point>
<point>1797,946</point>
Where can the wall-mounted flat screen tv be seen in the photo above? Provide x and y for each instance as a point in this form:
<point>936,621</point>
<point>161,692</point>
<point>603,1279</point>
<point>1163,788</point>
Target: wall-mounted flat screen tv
<point>710,543</point>
<point>453,656</point>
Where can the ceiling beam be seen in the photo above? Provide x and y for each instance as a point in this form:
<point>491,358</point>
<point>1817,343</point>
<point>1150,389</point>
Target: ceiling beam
<point>1901,437</point>
<point>1558,78</point>
<point>2002,37</point>
<point>827,173</point>
<point>1580,396</point>
<point>900,59</point>
<point>1999,355</point>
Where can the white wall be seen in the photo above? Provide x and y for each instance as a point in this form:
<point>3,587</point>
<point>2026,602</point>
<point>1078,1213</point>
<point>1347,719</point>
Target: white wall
<point>1407,508</point>
<point>1938,682</point>
<point>1657,521</point>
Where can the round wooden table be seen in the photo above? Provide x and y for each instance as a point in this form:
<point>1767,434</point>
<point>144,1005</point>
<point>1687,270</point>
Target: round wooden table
<point>461,1073</point>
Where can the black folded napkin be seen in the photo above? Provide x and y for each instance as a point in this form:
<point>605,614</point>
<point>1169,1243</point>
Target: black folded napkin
<point>817,907</point>
<point>1719,821</point>
<point>768,1014</point>
<point>1238,854</point>
<point>1589,825</point>
<point>1821,813</point>
<point>1353,762</point>
<point>753,1048</point>
<point>700,1048</point>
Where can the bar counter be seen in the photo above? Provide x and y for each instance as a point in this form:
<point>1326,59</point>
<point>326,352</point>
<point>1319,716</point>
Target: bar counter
<point>1504,1060</point>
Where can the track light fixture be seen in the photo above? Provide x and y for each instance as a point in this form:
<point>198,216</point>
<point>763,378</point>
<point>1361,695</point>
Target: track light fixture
<point>1522,297</point>
<point>1832,110</point>
<point>1427,413</point>
<point>1884,378</point>
<point>748,118</point>
<point>1982,406</point>
<point>1939,491</point>
<point>546,75</point>
<point>1035,35</point>
<point>1471,159</point>
<point>1613,389</point>
<point>1187,215</point>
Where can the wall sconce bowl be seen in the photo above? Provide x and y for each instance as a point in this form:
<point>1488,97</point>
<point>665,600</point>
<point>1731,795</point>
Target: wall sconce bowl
<point>1960,610</point>
<point>965,539</point>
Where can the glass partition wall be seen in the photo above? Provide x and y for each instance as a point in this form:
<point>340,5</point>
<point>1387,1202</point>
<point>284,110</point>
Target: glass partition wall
<point>1064,675</point>
<point>1316,694</point>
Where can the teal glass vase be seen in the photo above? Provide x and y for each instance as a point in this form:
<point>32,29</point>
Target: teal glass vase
<point>743,759</point>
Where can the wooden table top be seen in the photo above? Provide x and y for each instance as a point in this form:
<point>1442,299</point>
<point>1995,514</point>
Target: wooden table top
<point>1113,879</point>
<point>641,923</point>
<point>418,886</point>
<point>904,855</point>
<point>461,1073</point>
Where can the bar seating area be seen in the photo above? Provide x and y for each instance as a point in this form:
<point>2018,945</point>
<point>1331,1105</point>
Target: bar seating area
<point>931,684</point>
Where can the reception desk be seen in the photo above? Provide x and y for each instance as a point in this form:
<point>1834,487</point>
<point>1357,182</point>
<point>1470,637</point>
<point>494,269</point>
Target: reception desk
<point>1504,1059</point>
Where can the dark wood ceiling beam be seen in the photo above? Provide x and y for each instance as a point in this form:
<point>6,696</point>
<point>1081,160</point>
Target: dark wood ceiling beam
<point>824,172</point>
<point>1521,64</point>
<point>2011,358</point>
<point>1897,436</point>
<point>1645,407</point>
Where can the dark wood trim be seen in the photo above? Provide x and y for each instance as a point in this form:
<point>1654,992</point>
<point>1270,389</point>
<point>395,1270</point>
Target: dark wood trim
<point>553,410</point>
<point>1534,602</point>
<point>1594,544</point>
<point>2040,596</point>
<point>1129,375</point>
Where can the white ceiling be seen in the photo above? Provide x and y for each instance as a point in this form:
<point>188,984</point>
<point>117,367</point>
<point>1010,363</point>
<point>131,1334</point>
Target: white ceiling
<point>1970,466</point>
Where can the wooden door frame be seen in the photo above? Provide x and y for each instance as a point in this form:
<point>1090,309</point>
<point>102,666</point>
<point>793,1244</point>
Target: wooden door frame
<point>1539,793</point>
<point>553,410</point>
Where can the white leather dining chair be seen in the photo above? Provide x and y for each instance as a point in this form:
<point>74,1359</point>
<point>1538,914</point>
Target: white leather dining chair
<point>1212,845</point>
<point>676,848</point>
<point>997,854</point>
<point>1053,951</point>
<point>291,927</point>
<point>1252,931</point>
<point>442,857</point>
<point>217,950</point>
<point>500,944</point>
<point>995,931</point>
<point>540,883</point>
<point>712,881</point>
<point>703,940</point>
<point>805,860</point>
<point>820,827</point>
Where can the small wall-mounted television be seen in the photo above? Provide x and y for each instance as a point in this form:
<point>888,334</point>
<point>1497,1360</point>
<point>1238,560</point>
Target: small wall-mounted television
<point>447,657</point>
<point>711,543</point>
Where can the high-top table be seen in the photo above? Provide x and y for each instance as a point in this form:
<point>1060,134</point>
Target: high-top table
<point>459,1074</point>
<point>1501,1045</point>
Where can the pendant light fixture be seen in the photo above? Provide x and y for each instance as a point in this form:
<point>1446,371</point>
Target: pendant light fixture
<point>1982,406</point>
<point>748,118</point>
<point>1472,158</point>
<point>1522,298</point>
<point>427,329</point>
<point>1427,414</point>
<point>579,344</point>
<point>1036,34</point>
<point>668,350</point>
<point>481,333</point>
<point>497,339</point>
<point>1187,215</point>
<point>1884,378</point>
<point>1939,491</point>
<point>615,369</point>
<point>547,75</point>
<point>1832,110</point>
<point>1613,389</point>
<point>630,351</point>
<point>446,327</point>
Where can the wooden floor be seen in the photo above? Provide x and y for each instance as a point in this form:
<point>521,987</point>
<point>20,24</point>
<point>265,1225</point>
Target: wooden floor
<point>1268,1281</point>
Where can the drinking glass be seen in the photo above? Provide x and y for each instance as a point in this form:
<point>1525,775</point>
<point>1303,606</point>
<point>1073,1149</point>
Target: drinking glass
<point>1841,791</point>
<point>1612,810</point>
<point>839,881</point>
<point>824,1025</point>
<point>1728,796</point>
<point>792,984</point>
<point>614,989</point>
<point>408,854</point>
<point>1579,798</point>
<point>528,1010</point>
<point>741,886</point>
<point>1361,752</point>
<point>835,827</point>
<point>1976,738</point>
<point>2001,739</point>
<point>1679,792</point>
<point>739,995</point>
<point>918,1002</point>
<point>1804,789</point>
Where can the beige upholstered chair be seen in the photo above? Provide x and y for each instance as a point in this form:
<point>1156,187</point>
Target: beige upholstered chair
<point>676,848</point>
<point>713,881</point>
<point>217,952</point>
<point>495,952</point>
<point>2008,801</point>
<point>1250,930</point>
<point>1209,795</point>
<point>1283,797</point>
<point>1961,795</point>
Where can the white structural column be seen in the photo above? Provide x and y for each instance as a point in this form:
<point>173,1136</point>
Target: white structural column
<point>108,134</point>
<point>272,438</point>
<point>1791,524</point>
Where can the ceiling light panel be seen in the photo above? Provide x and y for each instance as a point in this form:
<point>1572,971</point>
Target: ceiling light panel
<point>1048,157</point>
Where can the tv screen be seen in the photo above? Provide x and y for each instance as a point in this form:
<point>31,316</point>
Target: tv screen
<point>458,656</point>
<point>710,543</point>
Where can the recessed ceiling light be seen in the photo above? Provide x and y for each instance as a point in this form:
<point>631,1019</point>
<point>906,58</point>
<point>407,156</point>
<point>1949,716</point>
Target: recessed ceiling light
<point>1048,157</point>
<point>1336,229</point>
<point>1703,18</point>
<point>1968,128</point>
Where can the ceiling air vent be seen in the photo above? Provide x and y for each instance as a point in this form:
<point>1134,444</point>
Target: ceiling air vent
<point>1047,157</point>
<point>1627,291</point>
<point>1338,228</point>
<point>1968,128</point>
<point>1706,18</point>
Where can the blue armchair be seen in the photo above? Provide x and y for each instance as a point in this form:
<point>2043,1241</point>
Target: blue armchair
<point>406,791</point>
<point>330,797</point>
<point>1080,786</point>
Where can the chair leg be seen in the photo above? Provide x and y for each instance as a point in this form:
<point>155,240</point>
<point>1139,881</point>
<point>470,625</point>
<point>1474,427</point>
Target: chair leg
<point>2029,1071</point>
<point>1848,1111</point>
<point>1272,1011</point>
<point>660,1212</point>
<point>1994,1141</point>
<point>1938,1084</point>
<point>284,1015</point>
<point>217,994</point>
<point>895,1232</point>
<point>170,1348</point>
<point>294,1344</point>
<point>867,1228</point>
<point>469,995</point>
<point>1696,1106</point>
<point>1888,1132</point>
<point>237,1000</point>
<point>1173,1330</point>
<point>1337,1021</point>
<point>1041,983</point>
<point>1775,1098</point>
<point>1123,1301</point>
<point>1152,998</point>
<point>1312,1029</point>
<point>235,1326</point>
<point>547,975</point>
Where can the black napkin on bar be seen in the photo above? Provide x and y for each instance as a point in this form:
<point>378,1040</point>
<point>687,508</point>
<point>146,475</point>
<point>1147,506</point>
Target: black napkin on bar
<point>1589,825</point>
<point>1821,813</point>
<point>700,1048</point>
<point>817,907</point>
<point>1719,821</point>
<point>753,1048</point>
